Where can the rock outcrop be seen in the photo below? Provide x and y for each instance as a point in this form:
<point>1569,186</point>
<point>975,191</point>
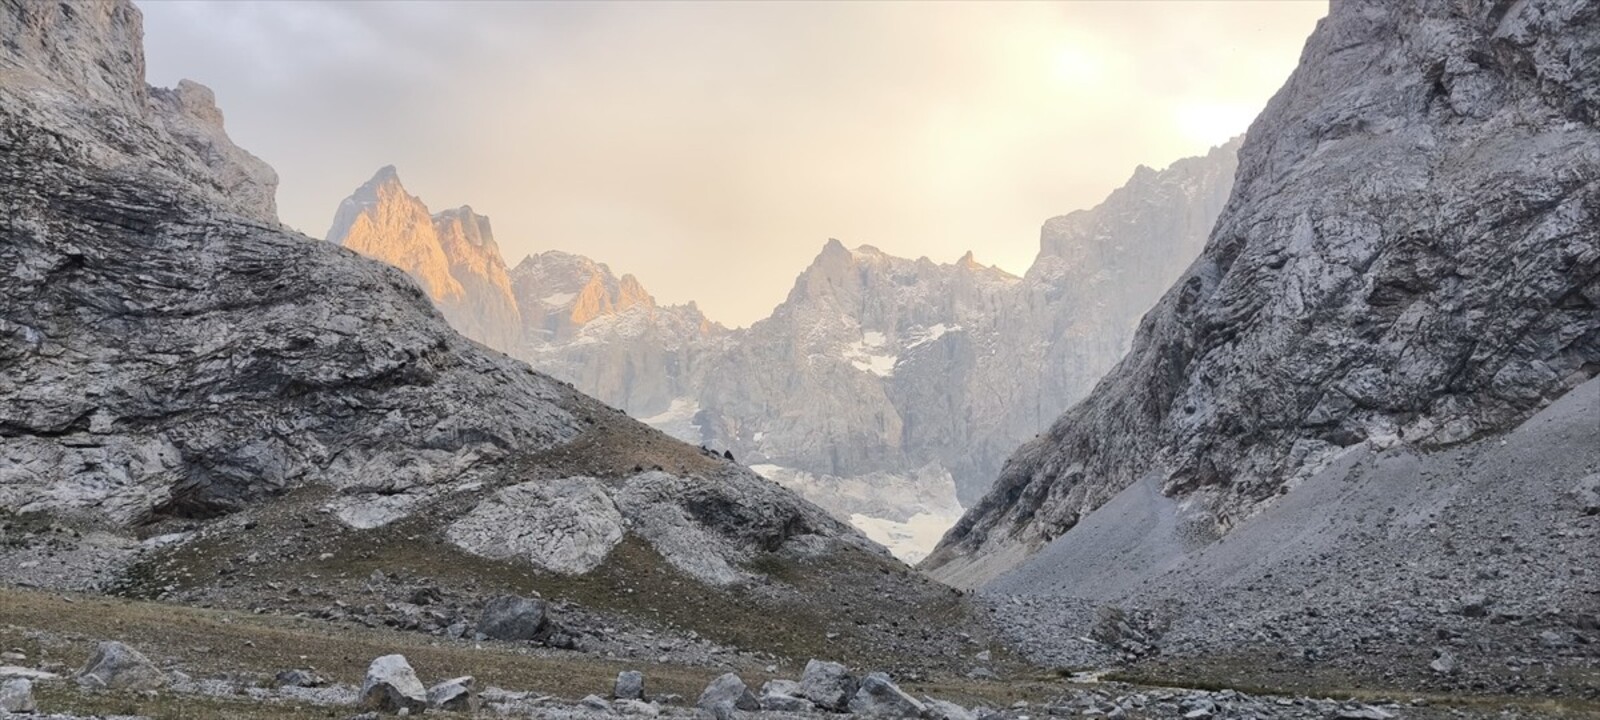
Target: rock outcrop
<point>1410,257</point>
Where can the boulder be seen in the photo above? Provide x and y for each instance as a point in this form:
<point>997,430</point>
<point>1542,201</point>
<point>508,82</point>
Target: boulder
<point>945,710</point>
<point>878,696</point>
<point>785,703</point>
<point>1588,493</point>
<point>595,702</point>
<point>783,687</point>
<point>828,684</point>
<point>119,667</point>
<point>727,693</point>
<point>454,695</point>
<point>510,617</point>
<point>630,685</point>
<point>16,696</point>
<point>392,686</point>
<point>1443,663</point>
<point>635,707</point>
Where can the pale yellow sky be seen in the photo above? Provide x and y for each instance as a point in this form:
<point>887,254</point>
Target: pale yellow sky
<point>711,148</point>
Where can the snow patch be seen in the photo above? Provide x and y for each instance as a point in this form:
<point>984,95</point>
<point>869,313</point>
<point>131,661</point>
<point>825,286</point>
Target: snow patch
<point>867,354</point>
<point>678,420</point>
<point>558,299</point>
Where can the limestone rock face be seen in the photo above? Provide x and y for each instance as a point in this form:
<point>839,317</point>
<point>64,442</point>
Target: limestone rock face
<point>452,255</point>
<point>1411,255</point>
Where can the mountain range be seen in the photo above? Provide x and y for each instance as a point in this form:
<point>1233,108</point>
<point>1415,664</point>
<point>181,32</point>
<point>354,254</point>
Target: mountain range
<point>905,381</point>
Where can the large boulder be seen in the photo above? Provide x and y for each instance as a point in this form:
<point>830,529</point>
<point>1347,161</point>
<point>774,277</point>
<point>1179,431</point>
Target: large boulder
<point>510,617</point>
<point>454,695</point>
<point>828,684</point>
<point>727,693</point>
<point>630,685</point>
<point>945,710</point>
<point>392,686</point>
<point>878,696</point>
<point>119,667</point>
<point>16,696</point>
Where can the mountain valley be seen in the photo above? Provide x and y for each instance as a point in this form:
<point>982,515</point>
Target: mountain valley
<point>1306,427</point>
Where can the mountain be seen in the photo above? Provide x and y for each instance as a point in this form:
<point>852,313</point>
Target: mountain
<point>607,335</point>
<point>451,255</point>
<point>906,381</point>
<point>1445,304</point>
<point>1331,414</point>
<point>199,406</point>
<point>882,364</point>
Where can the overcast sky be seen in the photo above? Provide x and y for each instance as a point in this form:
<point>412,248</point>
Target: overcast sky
<point>712,148</point>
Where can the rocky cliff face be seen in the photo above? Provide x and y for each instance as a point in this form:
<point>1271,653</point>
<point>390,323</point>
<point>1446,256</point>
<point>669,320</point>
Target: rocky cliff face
<point>1410,256</point>
<point>452,255</point>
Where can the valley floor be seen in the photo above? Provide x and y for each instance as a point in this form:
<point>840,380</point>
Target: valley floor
<point>222,663</point>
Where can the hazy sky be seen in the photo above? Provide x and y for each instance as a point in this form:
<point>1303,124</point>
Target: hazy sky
<point>711,148</point>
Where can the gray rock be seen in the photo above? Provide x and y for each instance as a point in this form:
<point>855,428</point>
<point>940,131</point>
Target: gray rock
<point>16,696</point>
<point>510,617</point>
<point>1473,606</point>
<point>391,686</point>
<point>1363,712</point>
<point>828,684</point>
<point>635,707</point>
<point>945,710</point>
<point>779,686</point>
<point>298,678</point>
<point>454,695</point>
<point>727,693</point>
<point>595,702</point>
<point>878,696</point>
<point>116,666</point>
<point>784,703</point>
<point>1443,662</point>
<point>565,526</point>
<point>1588,493</point>
<point>629,685</point>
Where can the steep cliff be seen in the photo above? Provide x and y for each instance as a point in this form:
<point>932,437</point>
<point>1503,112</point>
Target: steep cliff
<point>1410,257</point>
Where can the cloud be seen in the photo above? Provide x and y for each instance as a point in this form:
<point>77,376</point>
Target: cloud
<point>711,148</point>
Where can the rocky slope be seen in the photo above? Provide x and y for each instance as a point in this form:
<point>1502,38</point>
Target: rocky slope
<point>184,384</point>
<point>1409,257</point>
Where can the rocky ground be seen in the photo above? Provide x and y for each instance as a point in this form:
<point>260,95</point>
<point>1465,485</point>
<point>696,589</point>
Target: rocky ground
<point>183,662</point>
